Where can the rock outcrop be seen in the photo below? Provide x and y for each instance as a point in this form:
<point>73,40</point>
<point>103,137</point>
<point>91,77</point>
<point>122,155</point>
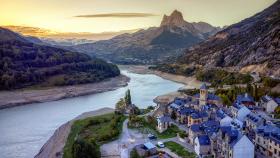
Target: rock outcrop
<point>152,45</point>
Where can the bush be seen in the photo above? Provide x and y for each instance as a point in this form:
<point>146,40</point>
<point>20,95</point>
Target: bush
<point>85,149</point>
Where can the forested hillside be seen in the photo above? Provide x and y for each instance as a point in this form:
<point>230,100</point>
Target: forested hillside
<point>24,64</point>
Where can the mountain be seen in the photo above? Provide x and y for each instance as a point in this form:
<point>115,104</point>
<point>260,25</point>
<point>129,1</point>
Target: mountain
<point>24,63</point>
<point>153,44</point>
<point>251,45</point>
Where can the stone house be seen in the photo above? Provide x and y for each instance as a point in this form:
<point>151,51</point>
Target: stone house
<point>163,122</point>
<point>202,145</point>
<point>268,104</point>
<point>267,141</point>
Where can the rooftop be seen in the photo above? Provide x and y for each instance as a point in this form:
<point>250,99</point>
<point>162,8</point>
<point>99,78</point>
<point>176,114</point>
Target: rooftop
<point>221,114</point>
<point>203,140</point>
<point>196,128</point>
<point>186,111</point>
<point>149,145</point>
<point>197,115</point>
<point>203,87</point>
<point>233,134</point>
<point>164,118</point>
<point>270,131</point>
<point>211,96</point>
<point>277,100</point>
<point>254,118</point>
<point>266,98</point>
<point>243,98</point>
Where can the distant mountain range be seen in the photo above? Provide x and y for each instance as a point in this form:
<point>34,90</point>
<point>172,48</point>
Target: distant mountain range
<point>64,38</point>
<point>252,45</point>
<point>25,62</point>
<point>152,45</point>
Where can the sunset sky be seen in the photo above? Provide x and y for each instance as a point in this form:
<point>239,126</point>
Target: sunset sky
<point>115,15</point>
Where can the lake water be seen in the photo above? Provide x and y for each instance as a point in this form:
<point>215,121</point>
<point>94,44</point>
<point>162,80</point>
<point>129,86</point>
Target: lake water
<point>25,129</point>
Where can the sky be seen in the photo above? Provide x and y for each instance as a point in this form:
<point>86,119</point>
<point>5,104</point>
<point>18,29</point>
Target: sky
<point>99,16</point>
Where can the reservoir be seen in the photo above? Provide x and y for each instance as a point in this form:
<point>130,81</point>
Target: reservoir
<point>25,129</point>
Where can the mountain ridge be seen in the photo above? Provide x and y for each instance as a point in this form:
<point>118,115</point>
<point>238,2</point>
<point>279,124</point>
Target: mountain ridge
<point>250,45</point>
<point>151,45</point>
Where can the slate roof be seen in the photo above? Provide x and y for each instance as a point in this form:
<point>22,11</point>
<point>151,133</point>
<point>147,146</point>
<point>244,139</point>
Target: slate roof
<point>233,134</point>
<point>164,118</point>
<point>175,106</point>
<point>210,127</point>
<point>266,98</point>
<point>211,96</point>
<point>254,118</point>
<point>244,98</point>
<point>179,101</point>
<point>203,140</point>
<point>186,111</point>
<point>149,145</point>
<point>270,131</point>
<point>203,87</point>
<point>236,123</point>
<point>277,100</point>
<point>197,115</point>
<point>221,114</point>
<point>196,128</point>
<point>208,107</point>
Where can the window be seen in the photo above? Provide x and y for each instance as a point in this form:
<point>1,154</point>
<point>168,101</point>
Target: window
<point>275,151</point>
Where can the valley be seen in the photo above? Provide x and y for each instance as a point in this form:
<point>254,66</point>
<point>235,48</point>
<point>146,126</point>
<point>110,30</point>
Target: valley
<point>135,79</point>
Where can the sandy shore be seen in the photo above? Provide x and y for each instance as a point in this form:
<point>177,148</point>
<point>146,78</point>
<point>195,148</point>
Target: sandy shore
<point>189,82</point>
<point>10,99</point>
<point>53,148</point>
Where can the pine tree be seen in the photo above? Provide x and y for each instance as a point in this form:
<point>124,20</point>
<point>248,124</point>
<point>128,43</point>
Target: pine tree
<point>127,97</point>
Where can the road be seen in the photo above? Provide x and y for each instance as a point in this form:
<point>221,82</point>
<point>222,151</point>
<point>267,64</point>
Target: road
<point>129,139</point>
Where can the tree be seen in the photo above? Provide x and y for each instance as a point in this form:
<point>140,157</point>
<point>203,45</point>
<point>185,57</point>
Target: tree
<point>173,115</point>
<point>120,105</point>
<point>277,112</point>
<point>85,149</point>
<point>225,99</point>
<point>127,97</point>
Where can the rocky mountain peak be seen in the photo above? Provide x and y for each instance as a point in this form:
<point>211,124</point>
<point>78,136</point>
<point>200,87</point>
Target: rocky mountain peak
<point>175,18</point>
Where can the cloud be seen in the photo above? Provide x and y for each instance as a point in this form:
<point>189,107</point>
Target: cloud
<point>41,32</point>
<point>117,15</point>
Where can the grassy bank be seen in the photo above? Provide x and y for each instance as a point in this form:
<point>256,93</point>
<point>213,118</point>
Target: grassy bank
<point>179,150</point>
<point>88,134</point>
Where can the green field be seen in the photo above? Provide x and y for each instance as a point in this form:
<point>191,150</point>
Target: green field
<point>179,150</point>
<point>88,134</point>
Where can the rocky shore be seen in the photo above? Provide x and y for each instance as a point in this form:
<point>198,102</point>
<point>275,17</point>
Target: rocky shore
<point>10,99</point>
<point>53,148</point>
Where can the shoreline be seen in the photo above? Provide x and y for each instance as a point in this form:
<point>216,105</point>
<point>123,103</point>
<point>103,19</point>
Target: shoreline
<point>189,82</point>
<point>53,147</point>
<point>9,99</point>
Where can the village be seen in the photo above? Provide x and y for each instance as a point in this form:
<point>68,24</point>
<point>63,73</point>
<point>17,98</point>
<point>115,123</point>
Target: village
<point>200,125</point>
